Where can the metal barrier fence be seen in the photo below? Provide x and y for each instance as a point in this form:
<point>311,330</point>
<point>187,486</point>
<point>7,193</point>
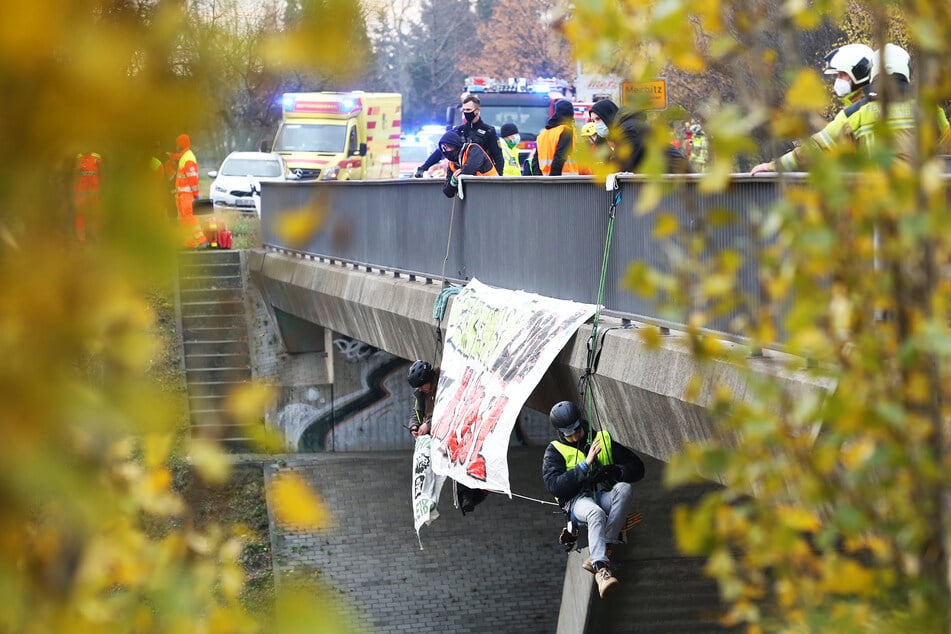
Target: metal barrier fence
<point>545,235</point>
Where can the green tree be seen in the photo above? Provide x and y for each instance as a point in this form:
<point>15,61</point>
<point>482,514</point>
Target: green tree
<point>833,516</point>
<point>89,434</point>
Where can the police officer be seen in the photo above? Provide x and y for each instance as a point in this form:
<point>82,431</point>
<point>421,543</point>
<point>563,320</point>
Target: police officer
<point>474,130</point>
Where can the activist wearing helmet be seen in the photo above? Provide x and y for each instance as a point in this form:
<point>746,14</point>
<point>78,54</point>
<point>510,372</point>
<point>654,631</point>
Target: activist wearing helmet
<point>894,60</point>
<point>420,373</point>
<point>855,60</point>
<point>566,418</point>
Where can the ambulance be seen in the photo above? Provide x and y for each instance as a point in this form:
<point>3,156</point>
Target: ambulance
<point>340,135</point>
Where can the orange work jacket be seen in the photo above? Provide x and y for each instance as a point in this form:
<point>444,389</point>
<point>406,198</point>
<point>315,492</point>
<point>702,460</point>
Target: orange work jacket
<point>88,166</point>
<point>186,178</point>
<point>547,142</point>
<point>465,156</point>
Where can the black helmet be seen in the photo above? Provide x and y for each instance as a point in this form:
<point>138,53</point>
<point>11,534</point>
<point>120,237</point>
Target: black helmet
<point>565,417</point>
<point>420,373</point>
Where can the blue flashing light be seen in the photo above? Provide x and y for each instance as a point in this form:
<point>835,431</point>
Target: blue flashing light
<point>347,104</point>
<point>540,88</point>
<point>288,101</point>
<point>476,88</point>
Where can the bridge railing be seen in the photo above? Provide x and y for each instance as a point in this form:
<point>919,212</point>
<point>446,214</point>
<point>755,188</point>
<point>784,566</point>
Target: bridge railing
<point>545,235</point>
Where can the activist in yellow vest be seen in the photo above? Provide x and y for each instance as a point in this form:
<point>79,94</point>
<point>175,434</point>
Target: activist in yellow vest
<point>510,159</point>
<point>573,455</point>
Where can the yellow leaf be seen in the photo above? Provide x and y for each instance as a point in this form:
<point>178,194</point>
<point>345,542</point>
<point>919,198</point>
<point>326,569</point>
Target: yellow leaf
<point>666,226</point>
<point>299,225</point>
<point>296,505</point>
<point>798,519</point>
<point>807,93</point>
<point>857,452</point>
<point>247,401</point>
<point>845,576</point>
<point>208,458</point>
<point>157,448</point>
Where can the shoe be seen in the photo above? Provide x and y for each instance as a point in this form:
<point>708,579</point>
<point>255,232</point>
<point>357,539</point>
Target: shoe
<point>202,246</point>
<point>607,583</point>
<point>589,565</point>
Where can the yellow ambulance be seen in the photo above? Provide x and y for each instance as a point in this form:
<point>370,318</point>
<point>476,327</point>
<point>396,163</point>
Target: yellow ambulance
<point>340,135</point>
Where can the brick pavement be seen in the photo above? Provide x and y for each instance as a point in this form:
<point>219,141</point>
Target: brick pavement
<point>496,570</point>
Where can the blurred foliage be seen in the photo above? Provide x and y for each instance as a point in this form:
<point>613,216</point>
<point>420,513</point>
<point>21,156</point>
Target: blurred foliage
<point>833,516</point>
<point>89,433</point>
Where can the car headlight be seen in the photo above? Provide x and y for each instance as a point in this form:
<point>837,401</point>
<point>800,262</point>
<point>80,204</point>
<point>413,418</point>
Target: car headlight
<point>330,174</point>
<point>220,189</point>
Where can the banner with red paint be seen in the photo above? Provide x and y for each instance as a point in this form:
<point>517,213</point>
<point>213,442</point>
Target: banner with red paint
<point>499,344</point>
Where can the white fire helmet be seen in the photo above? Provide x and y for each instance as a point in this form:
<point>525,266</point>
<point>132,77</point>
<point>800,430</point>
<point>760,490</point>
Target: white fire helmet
<point>895,59</point>
<point>855,60</point>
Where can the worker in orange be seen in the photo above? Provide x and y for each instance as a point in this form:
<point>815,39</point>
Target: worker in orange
<point>556,143</point>
<point>86,194</point>
<point>186,193</point>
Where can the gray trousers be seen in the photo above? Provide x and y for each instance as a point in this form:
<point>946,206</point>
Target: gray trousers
<point>604,518</point>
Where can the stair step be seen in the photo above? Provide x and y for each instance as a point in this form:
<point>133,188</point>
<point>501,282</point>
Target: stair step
<point>218,374</point>
<point>216,361</point>
<point>235,346</point>
<point>198,322</point>
<point>212,294</point>
<point>191,310</point>
<point>205,282</point>
<point>208,256</point>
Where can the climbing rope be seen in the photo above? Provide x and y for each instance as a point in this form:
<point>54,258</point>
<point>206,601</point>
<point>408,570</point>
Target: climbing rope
<point>439,306</point>
<point>594,345</point>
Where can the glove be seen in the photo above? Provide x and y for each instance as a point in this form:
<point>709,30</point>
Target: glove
<point>419,173</point>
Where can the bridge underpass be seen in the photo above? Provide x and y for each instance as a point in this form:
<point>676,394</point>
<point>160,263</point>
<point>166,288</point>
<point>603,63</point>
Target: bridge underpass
<point>374,273</point>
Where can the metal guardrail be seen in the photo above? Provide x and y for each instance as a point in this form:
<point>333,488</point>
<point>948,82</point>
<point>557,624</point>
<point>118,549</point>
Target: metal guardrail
<point>545,235</point>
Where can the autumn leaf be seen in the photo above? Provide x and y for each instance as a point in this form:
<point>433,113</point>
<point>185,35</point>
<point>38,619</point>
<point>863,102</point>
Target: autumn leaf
<point>296,505</point>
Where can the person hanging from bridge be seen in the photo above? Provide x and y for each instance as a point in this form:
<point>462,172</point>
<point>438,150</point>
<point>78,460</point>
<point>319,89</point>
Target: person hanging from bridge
<point>465,159</point>
<point>423,378</point>
<point>591,480</point>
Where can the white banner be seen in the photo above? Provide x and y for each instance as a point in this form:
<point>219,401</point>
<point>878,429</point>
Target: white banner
<point>499,344</point>
<point>426,486</point>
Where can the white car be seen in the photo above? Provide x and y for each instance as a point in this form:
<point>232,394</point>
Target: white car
<point>242,172</point>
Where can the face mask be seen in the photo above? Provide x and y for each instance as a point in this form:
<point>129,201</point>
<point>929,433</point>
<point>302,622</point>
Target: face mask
<point>602,129</point>
<point>452,154</point>
<point>842,87</point>
<point>513,141</point>
<point>470,116</point>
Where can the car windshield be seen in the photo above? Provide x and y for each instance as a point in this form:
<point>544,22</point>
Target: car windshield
<point>251,167</point>
<point>311,137</point>
<point>414,153</point>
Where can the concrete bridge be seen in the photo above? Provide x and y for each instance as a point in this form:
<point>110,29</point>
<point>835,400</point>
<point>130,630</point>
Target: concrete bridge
<point>376,267</point>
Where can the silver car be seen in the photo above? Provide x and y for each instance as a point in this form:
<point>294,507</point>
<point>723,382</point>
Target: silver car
<point>238,181</point>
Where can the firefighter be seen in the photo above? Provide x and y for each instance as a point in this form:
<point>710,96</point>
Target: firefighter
<point>699,153</point>
<point>852,67</point>
<point>556,143</point>
<point>855,126</point>
<point>186,193</point>
<point>509,145</point>
<point>465,159</point>
<point>86,195</point>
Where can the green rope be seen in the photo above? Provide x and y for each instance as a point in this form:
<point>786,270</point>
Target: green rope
<point>593,344</point>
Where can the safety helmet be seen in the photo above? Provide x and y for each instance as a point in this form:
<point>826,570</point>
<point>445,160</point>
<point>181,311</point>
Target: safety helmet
<point>896,61</point>
<point>589,130</point>
<point>420,373</point>
<point>855,60</point>
<point>565,417</point>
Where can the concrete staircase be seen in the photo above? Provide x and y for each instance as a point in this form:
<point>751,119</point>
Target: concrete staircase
<point>215,351</point>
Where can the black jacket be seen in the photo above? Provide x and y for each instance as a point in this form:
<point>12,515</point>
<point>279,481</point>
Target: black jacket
<point>479,132</point>
<point>477,161</point>
<point>565,484</point>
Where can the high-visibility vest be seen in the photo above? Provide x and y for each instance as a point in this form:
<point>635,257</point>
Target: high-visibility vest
<point>464,155</point>
<point>87,172</point>
<point>573,455</point>
<point>186,179</point>
<point>510,159</point>
<point>547,143</point>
